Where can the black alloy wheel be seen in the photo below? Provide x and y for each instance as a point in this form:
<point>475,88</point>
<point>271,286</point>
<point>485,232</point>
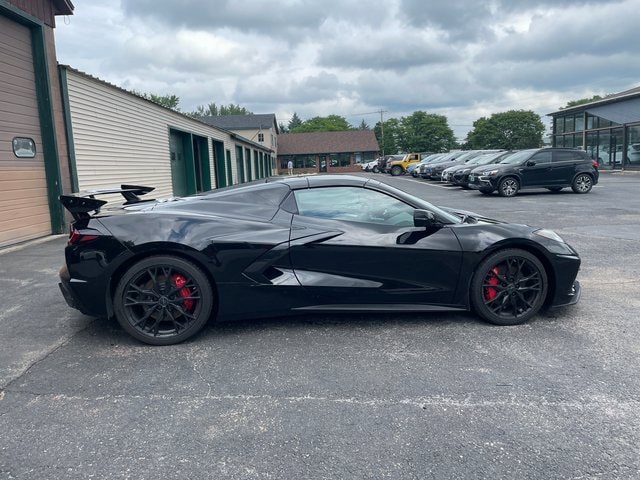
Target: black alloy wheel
<point>583,183</point>
<point>163,300</point>
<point>509,287</point>
<point>508,187</point>
<point>396,170</point>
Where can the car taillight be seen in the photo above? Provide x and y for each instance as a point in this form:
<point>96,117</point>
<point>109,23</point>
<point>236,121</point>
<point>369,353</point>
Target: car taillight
<point>76,237</point>
<point>595,163</point>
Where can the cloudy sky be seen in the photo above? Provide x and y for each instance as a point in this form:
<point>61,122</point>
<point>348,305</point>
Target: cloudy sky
<point>460,58</point>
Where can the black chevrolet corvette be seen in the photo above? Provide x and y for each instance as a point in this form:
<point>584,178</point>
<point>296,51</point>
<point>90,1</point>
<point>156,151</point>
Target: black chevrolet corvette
<point>302,244</point>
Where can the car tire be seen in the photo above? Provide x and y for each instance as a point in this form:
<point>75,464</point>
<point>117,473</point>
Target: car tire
<point>375,170</point>
<point>583,183</point>
<point>396,170</point>
<point>554,189</point>
<point>509,287</point>
<point>508,187</point>
<point>163,300</point>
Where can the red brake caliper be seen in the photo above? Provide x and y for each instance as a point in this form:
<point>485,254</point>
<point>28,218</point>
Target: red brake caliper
<point>179,280</point>
<point>491,292</point>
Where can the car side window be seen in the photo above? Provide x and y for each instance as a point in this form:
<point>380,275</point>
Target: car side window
<point>541,157</point>
<point>566,156</point>
<point>354,204</point>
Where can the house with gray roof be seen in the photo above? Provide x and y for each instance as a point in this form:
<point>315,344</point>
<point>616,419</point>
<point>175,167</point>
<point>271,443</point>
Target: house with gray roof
<point>326,151</point>
<point>258,128</point>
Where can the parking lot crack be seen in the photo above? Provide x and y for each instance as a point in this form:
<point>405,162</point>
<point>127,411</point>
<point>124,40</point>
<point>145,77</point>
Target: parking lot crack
<point>57,346</point>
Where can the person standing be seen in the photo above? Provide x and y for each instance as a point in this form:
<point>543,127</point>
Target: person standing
<point>290,167</point>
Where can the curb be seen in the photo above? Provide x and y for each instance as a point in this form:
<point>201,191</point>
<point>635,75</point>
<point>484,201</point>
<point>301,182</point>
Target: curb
<point>29,243</point>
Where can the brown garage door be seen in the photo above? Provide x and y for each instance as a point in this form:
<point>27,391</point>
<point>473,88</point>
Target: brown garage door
<point>24,211</point>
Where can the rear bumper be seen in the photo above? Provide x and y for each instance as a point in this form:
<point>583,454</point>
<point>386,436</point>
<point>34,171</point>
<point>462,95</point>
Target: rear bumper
<point>75,290</point>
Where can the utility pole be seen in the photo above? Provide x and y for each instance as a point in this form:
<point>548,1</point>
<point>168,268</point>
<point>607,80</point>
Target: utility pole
<point>382,130</point>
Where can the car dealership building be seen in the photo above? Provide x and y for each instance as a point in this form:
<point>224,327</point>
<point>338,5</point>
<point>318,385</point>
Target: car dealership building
<point>608,129</point>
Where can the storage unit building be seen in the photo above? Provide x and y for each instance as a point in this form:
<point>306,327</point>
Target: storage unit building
<point>31,121</point>
<point>117,137</point>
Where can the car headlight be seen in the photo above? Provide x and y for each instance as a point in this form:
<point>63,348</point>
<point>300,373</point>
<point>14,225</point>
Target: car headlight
<point>550,234</point>
<point>490,172</point>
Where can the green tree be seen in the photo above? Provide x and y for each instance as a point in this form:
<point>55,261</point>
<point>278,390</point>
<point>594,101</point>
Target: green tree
<point>295,122</point>
<point>169,101</point>
<point>581,101</point>
<point>332,123</point>
<point>213,110</point>
<point>512,130</point>
<point>232,109</point>
<point>363,125</point>
<point>425,132</point>
<point>388,134</point>
<point>283,128</point>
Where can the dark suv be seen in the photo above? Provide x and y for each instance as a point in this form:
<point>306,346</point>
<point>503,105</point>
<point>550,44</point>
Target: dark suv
<point>551,168</point>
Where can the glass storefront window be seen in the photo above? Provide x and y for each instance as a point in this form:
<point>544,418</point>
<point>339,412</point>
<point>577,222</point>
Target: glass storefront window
<point>569,124</point>
<point>592,122</point>
<point>633,140</point>
<point>559,122</point>
<point>579,122</point>
<point>592,145</point>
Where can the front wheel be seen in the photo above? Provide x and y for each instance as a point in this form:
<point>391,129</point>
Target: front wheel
<point>509,287</point>
<point>582,183</point>
<point>376,169</point>
<point>163,300</point>
<point>396,170</point>
<point>508,187</point>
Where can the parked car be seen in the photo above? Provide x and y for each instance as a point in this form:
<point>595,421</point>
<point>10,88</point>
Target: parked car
<point>297,245</point>
<point>460,175</point>
<point>371,166</point>
<point>425,169</point>
<point>384,164</point>
<point>398,167</point>
<point>437,172</point>
<point>551,168</point>
<point>434,170</point>
<point>633,152</point>
<point>413,168</point>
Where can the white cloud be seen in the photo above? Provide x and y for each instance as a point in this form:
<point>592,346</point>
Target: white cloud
<point>463,58</point>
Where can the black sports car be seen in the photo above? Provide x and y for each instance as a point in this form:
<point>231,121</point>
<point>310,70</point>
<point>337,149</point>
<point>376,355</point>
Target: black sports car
<point>302,244</point>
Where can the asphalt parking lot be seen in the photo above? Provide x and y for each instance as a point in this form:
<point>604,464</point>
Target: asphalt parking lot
<point>340,396</point>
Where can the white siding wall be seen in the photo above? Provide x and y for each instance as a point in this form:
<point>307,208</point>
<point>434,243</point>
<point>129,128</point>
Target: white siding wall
<point>120,138</point>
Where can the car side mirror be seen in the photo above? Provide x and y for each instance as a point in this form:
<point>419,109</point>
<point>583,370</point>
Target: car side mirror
<point>424,218</point>
<point>530,163</point>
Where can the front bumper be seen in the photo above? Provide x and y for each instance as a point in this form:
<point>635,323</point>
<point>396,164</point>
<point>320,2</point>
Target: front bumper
<point>570,297</point>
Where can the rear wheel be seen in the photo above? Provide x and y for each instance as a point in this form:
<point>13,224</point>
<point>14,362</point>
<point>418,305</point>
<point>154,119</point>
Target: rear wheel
<point>163,300</point>
<point>375,169</point>
<point>583,183</point>
<point>509,287</point>
<point>396,170</point>
<point>508,187</point>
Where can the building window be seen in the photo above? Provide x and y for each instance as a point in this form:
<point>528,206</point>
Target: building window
<point>261,137</point>
<point>24,147</point>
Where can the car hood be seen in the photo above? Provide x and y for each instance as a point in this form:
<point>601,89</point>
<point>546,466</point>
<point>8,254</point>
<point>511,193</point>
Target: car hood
<point>492,166</point>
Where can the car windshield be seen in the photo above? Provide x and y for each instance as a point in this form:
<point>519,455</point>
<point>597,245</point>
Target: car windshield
<point>518,157</point>
<point>488,158</point>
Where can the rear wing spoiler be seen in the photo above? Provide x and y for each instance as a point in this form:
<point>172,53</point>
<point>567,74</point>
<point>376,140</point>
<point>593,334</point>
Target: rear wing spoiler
<point>82,203</point>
